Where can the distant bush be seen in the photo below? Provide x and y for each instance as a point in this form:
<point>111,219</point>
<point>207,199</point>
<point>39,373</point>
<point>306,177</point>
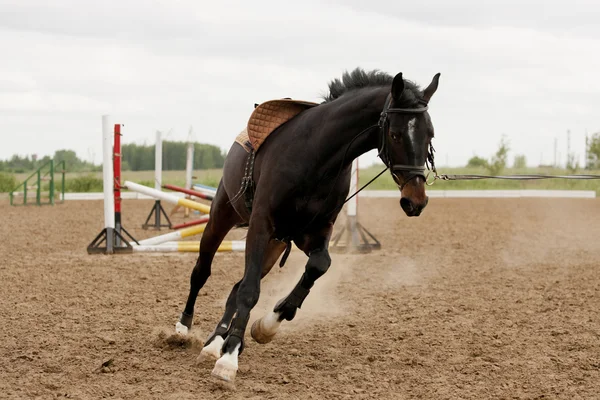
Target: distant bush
<point>7,182</point>
<point>520,161</point>
<point>498,161</point>
<point>593,151</point>
<point>83,184</point>
<point>477,162</point>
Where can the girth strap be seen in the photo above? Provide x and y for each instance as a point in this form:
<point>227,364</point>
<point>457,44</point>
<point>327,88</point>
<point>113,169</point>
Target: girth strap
<point>247,184</point>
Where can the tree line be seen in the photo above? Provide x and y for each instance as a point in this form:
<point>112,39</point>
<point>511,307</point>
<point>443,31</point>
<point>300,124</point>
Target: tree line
<point>20,164</point>
<point>135,157</point>
<point>499,160</point>
<point>174,156</point>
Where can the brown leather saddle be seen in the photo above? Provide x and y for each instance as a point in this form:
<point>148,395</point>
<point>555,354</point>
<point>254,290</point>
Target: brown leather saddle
<point>267,117</point>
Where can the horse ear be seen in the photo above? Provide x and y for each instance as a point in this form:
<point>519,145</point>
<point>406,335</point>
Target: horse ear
<point>397,86</point>
<point>428,93</point>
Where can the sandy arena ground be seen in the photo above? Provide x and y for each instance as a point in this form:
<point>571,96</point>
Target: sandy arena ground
<point>475,299</point>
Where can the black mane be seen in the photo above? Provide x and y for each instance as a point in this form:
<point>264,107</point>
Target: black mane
<point>359,78</point>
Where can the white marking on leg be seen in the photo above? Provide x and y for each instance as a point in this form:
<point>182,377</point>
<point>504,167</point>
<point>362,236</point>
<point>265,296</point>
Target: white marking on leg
<point>213,349</point>
<point>264,329</point>
<point>270,323</point>
<point>226,367</point>
<point>181,328</point>
<point>232,358</point>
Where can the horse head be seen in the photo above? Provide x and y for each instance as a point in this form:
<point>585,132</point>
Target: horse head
<point>405,144</point>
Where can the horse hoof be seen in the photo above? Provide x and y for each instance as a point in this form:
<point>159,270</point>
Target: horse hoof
<point>181,328</point>
<point>225,370</point>
<point>211,351</point>
<point>258,334</point>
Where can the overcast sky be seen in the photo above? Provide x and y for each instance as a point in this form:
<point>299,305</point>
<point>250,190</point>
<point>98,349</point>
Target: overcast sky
<point>527,69</point>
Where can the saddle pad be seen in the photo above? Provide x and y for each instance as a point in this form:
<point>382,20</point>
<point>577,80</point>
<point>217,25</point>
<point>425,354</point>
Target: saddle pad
<point>244,141</point>
<point>270,115</point>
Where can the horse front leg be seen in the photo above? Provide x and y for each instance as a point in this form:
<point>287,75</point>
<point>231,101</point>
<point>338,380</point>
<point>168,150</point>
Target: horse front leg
<point>264,329</point>
<point>214,343</point>
<point>260,234</point>
<point>222,218</point>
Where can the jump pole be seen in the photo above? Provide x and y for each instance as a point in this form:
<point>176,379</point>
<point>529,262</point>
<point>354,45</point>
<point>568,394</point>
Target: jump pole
<point>194,247</point>
<point>356,240</point>
<point>209,190</point>
<point>173,236</point>
<point>110,240</point>
<point>201,220</point>
<point>157,209</point>
<point>169,198</point>
<point>189,192</point>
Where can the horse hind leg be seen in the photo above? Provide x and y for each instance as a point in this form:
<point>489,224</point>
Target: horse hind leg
<point>264,329</point>
<point>222,218</point>
<point>214,343</point>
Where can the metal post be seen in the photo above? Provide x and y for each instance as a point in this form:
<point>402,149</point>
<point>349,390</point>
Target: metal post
<point>38,194</point>
<point>64,166</point>
<point>355,234</point>
<point>51,188</point>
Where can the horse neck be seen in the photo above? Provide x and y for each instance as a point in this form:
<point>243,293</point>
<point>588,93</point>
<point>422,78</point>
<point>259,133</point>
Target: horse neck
<point>351,135</point>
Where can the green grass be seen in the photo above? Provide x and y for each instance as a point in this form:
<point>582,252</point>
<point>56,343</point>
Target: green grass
<point>78,182</point>
<point>385,181</point>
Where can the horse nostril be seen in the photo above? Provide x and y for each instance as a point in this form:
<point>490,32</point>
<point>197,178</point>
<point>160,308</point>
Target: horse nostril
<point>421,206</point>
<point>406,204</point>
<point>412,209</point>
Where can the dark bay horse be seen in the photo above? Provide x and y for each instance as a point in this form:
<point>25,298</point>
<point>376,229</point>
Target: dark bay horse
<point>302,175</point>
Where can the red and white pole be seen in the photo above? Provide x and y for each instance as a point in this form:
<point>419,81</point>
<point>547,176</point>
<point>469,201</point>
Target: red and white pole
<point>117,181</point>
<point>111,173</point>
<point>202,220</point>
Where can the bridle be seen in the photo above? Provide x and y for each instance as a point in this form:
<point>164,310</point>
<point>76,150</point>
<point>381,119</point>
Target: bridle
<point>412,171</point>
<point>383,153</point>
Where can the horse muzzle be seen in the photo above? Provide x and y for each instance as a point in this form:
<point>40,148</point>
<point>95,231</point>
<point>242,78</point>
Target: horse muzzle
<point>411,207</point>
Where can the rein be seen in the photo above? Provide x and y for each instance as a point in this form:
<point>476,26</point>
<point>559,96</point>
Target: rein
<point>465,177</point>
<point>414,171</point>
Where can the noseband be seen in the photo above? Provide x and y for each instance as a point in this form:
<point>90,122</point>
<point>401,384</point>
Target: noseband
<point>412,171</point>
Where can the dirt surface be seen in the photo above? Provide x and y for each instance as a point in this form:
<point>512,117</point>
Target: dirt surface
<point>475,299</point>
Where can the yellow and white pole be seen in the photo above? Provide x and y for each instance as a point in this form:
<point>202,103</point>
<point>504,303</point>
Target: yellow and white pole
<point>234,245</point>
<point>173,236</point>
<point>169,198</point>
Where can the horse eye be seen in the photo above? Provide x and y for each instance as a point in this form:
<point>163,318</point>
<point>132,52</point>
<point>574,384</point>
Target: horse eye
<point>394,136</point>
